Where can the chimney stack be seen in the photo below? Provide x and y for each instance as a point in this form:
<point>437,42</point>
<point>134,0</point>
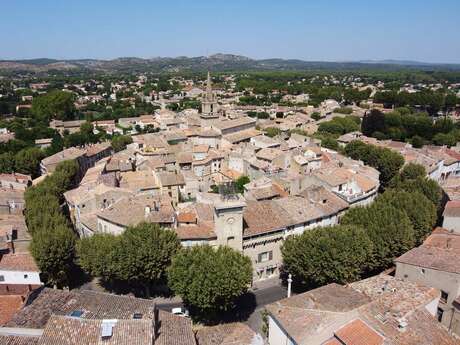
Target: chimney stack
<point>10,244</point>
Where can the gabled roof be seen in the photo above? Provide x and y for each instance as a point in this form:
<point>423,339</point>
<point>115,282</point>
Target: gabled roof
<point>18,262</point>
<point>357,332</point>
<point>9,305</point>
<point>228,334</point>
<point>18,340</point>
<point>44,302</point>
<point>371,311</point>
<point>64,330</point>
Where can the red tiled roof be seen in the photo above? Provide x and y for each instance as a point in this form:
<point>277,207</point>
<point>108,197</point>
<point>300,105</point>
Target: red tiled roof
<point>358,333</point>
<point>186,217</point>
<point>18,262</point>
<point>9,305</point>
<point>453,154</point>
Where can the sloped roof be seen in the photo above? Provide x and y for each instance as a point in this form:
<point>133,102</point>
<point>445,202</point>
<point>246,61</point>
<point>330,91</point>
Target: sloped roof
<point>227,334</point>
<point>379,302</point>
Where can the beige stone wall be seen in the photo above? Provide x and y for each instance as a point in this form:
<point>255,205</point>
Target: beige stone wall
<point>445,281</point>
<point>104,226</point>
<point>229,227</point>
<point>254,247</point>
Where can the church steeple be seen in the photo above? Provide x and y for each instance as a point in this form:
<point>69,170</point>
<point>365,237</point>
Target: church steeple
<point>209,96</point>
<point>209,101</point>
<point>209,87</point>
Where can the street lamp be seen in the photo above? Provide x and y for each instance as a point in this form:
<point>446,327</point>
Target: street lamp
<point>289,285</point>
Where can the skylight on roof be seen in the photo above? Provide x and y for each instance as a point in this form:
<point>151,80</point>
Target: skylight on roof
<point>76,313</point>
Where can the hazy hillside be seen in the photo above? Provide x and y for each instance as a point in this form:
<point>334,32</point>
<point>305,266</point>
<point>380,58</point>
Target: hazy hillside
<point>217,63</point>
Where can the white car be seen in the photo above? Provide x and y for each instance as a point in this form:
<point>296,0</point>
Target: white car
<point>180,311</point>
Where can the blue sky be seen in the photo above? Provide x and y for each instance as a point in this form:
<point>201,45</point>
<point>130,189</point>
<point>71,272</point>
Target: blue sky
<point>327,30</point>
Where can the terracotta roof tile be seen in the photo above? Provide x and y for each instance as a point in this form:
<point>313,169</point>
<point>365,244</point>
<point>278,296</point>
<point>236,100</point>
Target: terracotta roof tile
<point>18,340</point>
<point>226,334</point>
<point>358,332</point>
<point>18,261</point>
<point>9,305</point>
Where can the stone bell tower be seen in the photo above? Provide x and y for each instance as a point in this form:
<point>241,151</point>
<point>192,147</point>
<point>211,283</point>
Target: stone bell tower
<point>209,102</point>
<point>228,220</point>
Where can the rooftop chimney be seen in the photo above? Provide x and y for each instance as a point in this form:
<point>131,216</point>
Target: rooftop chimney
<point>402,324</point>
<point>10,244</point>
<point>385,286</point>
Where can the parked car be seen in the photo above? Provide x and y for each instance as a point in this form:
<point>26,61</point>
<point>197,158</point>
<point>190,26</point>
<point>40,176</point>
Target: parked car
<point>180,311</point>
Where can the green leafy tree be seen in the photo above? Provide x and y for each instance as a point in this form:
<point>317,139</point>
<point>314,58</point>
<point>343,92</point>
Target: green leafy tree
<point>326,255</point>
<point>343,110</point>
<point>412,171</point>
<point>447,139</point>
<point>240,182</point>
<point>143,254</point>
<point>27,161</point>
<point>426,186</point>
<point>340,125</point>
<point>386,161</point>
<point>54,105</point>
<point>272,132</point>
<point>374,121</point>
<point>97,255</point>
<point>420,210</point>
<point>315,116</point>
<point>388,164</point>
<point>389,229</point>
<point>330,143</point>
<point>53,250</point>
<point>413,178</point>
<point>119,142</point>
<point>417,141</point>
<point>6,162</point>
<point>210,279</point>
<point>53,240</point>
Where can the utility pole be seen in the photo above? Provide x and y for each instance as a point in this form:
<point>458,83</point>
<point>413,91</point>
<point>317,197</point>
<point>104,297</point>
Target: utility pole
<point>289,285</point>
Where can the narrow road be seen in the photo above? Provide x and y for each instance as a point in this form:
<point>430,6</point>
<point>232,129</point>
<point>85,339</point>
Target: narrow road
<point>261,297</point>
<point>249,306</point>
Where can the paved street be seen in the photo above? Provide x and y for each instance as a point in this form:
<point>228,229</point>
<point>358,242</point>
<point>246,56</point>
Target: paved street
<point>249,306</point>
<point>264,296</point>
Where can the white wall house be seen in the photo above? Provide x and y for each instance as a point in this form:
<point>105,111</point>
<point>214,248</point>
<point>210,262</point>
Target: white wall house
<point>19,277</point>
<point>19,269</point>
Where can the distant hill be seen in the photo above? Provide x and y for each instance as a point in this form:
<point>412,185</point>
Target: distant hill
<point>216,62</point>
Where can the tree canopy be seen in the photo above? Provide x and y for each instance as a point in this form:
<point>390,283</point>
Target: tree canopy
<point>403,125</point>
<point>325,255</point>
<point>119,142</point>
<point>144,252</point>
<point>209,279</point>
<point>53,241</point>
<point>340,125</point>
<point>420,210</point>
<point>54,105</point>
<point>386,161</point>
<point>140,255</point>
<point>389,229</point>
